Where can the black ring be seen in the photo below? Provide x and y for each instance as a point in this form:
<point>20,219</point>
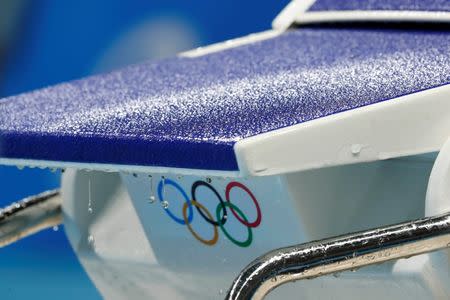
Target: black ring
<point>198,183</point>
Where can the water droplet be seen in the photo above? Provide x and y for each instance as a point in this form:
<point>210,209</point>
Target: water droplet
<point>20,167</point>
<point>220,291</point>
<point>53,170</point>
<point>91,241</point>
<point>356,149</point>
<point>336,275</point>
<point>163,187</point>
<point>274,279</point>
<point>90,210</point>
<point>165,204</point>
<point>370,257</point>
<point>208,180</point>
<point>152,196</point>
<point>134,174</point>
<point>55,228</point>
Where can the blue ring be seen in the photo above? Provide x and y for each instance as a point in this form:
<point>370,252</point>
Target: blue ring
<point>186,198</point>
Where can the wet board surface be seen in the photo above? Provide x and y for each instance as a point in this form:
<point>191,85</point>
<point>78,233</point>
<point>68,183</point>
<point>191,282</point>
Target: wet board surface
<point>397,5</point>
<point>189,112</point>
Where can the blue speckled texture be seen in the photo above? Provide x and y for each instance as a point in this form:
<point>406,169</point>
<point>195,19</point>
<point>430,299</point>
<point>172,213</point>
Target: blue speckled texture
<point>415,5</point>
<point>189,112</point>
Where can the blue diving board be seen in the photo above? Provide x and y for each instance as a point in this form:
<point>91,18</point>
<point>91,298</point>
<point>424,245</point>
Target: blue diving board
<point>189,112</point>
<point>397,5</point>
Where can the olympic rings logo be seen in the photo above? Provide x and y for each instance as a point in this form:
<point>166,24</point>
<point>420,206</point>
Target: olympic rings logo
<point>217,220</point>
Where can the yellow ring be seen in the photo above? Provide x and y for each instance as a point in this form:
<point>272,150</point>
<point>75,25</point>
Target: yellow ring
<point>215,238</point>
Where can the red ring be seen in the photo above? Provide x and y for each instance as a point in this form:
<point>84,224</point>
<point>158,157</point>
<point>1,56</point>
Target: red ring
<point>258,209</point>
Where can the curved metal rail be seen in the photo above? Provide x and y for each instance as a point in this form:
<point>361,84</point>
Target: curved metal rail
<point>30,215</point>
<point>347,252</point>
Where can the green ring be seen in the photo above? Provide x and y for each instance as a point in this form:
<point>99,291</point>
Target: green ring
<point>219,208</point>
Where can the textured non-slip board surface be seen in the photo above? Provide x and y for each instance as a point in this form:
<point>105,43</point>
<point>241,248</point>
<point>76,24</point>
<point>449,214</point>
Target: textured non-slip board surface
<point>413,5</point>
<point>189,112</point>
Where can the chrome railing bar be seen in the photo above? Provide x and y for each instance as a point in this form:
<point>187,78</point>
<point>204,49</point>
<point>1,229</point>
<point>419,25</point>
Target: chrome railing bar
<point>337,254</point>
<point>30,215</point>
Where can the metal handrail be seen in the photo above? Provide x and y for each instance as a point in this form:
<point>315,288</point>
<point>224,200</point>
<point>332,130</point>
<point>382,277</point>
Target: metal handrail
<point>337,254</point>
<point>30,215</point>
